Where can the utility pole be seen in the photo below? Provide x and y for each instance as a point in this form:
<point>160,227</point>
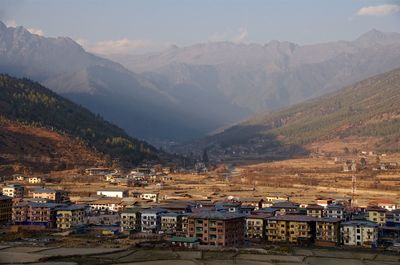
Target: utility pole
<point>353,191</point>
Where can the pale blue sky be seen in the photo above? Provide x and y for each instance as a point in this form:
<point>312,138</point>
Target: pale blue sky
<point>154,24</point>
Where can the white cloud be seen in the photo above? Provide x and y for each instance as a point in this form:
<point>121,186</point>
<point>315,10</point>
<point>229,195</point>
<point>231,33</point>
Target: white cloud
<point>239,36</point>
<point>13,23</point>
<point>381,10</point>
<point>122,46</point>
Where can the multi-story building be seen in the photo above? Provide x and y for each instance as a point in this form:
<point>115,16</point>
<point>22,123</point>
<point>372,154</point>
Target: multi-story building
<point>377,214</point>
<point>315,210</point>
<point>359,233</point>
<point>286,207</point>
<point>14,190</point>
<point>57,196</point>
<point>5,209</point>
<point>396,216</point>
<point>256,225</point>
<point>40,214</point>
<point>131,219</point>
<point>70,216</point>
<point>297,229</point>
<point>327,231</point>
<point>170,222</point>
<point>151,220</point>
<point>217,228</point>
<point>113,192</point>
<point>335,211</point>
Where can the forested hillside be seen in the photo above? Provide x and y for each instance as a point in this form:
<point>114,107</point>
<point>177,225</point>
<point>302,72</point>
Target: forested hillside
<point>27,102</point>
<point>369,109</point>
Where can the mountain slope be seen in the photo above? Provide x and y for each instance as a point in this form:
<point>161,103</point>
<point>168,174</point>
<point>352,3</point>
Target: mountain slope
<point>367,111</point>
<point>24,101</point>
<point>143,108</point>
<point>275,75</point>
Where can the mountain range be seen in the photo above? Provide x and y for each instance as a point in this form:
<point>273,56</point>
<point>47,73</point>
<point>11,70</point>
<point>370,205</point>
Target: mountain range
<point>185,93</point>
<point>363,115</point>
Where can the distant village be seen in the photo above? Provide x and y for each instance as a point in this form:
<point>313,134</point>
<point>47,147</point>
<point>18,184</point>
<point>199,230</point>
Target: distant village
<point>26,204</point>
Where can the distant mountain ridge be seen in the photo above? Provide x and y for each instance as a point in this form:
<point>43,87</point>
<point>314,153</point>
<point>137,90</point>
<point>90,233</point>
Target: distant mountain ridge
<point>367,111</point>
<point>266,77</point>
<point>130,100</point>
<point>29,103</point>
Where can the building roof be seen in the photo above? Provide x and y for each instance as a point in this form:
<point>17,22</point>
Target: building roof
<point>107,200</point>
<point>294,218</point>
<point>285,204</point>
<point>314,207</point>
<point>376,209</point>
<point>113,189</point>
<point>360,223</point>
<point>259,215</point>
<point>335,206</point>
<point>267,210</point>
<point>153,211</point>
<point>4,197</point>
<point>329,220</point>
<point>44,190</point>
<point>216,215</point>
<point>131,210</point>
<point>72,207</point>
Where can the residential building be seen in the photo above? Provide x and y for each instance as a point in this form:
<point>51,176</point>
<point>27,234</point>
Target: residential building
<point>152,196</point>
<point>40,214</point>
<point>285,207</point>
<point>70,216</point>
<point>5,209</point>
<point>151,220</point>
<point>386,204</point>
<point>376,214</point>
<point>113,192</point>
<point>359,233</point>
<point>14,190</point>
<point>57,196</point>
<point>327,231</point>
<point>34,180</point>
<point>335,211</point>
<point>315,210</point>
<point>186,242</point>
<point>296,229</point>
<point>396,216</point>
<point>170,222</point>
<point>217,228</point>
<point>131,219</point>
<point>323,201</point>
<point>106,205</point>
<point>256,226</point>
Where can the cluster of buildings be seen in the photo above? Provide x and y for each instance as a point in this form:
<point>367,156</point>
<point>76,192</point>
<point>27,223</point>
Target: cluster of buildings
<point>231,222</point>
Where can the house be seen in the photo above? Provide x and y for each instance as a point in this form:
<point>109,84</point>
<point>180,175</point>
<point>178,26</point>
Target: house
<point>70,216</point>
<point>152,196</point>
<point>151,219</point>
<point>272,198</point>
<point>178,206</point>
<point>255,202</point>
<point>57,196</point>
<point>18,177</point>
<point>295,229</point>
<point>35,214</point>
<point>359,233</point>
<point>230,206</point>
<point>217,228</point>
<point>335,211</point>
<point>315,210</point>
<point>327,232</point>
<point>99,171</point>
<point>106,205</point>
<point>186,242</point>
<point>14,190</point>
<point>324,202</point>
<point>386,204</point>
<point>376,214</point>
<point>113,192</point>
<point>5,209</point>
<point>131,219</point>
<point>285,207</point>
<point>256,225</point>
<point>34,180</point>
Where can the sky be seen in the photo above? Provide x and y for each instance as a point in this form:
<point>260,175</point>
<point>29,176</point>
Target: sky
<point>139,26</point>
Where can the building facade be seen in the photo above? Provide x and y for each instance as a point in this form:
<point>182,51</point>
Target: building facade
<point>70,216</point>
<point>295,229</point>
<point>359,233</point>
<point>5,209</point>
<point>14,190</point>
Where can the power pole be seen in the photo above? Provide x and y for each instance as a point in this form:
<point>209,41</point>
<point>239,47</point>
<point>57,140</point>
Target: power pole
<point>353,192</point>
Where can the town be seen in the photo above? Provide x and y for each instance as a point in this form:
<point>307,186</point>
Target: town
<point>152,204</point>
